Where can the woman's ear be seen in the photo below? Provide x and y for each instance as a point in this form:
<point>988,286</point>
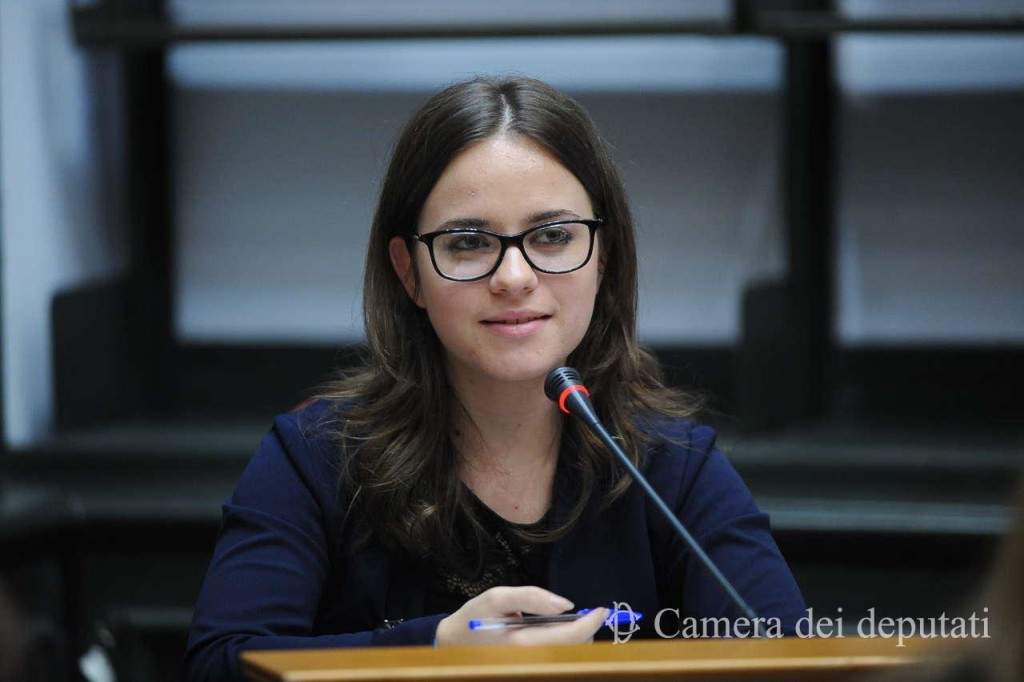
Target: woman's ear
<point>401,261</point>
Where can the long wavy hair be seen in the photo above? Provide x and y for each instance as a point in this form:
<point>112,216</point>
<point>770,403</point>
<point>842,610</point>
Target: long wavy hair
<point>400,472</point>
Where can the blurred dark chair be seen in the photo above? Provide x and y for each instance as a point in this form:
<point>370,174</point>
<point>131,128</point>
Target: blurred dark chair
<point>41,622</point>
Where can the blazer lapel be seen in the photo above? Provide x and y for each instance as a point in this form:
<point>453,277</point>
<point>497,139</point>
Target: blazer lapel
<point>606,559</point>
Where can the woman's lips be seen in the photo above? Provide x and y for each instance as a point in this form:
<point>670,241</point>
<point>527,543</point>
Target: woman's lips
<point>517,327</point>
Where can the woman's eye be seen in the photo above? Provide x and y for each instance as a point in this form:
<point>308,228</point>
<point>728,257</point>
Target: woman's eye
<point>551,236</point>
<point>468,242</point>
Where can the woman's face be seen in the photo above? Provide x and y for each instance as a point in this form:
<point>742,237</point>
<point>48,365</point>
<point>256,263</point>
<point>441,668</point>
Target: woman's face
<point>517,324</point>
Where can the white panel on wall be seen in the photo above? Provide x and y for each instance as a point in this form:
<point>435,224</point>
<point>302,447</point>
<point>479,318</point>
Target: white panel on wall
<point>61,222</point>
<point>576,63</point>
<point>903,64</point>
<point>932,149</point>
<point>887,9</point>
<point>930,204</point>
<point>448,13</point>
<point>275,198</point>
<point>702,176</point>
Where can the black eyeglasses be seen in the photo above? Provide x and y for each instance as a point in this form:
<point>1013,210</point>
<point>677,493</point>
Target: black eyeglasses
<point>469,254</point>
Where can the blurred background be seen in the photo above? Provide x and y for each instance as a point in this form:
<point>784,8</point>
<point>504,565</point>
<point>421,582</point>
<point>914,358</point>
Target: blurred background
<point>829,202</point>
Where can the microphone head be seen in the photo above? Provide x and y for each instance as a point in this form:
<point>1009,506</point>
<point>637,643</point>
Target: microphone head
<point>559,379</point>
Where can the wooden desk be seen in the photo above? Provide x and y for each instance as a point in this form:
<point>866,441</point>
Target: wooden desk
<point>784,660</point>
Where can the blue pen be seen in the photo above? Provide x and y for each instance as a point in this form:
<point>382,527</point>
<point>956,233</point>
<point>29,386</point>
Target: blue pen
<point>615,617</point>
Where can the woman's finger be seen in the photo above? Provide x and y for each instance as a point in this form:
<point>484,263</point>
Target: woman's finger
<point>495,603</point>
<point>576,632</point>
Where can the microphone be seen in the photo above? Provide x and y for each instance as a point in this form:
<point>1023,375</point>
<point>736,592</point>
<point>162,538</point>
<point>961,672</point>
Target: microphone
<point>564,386</point>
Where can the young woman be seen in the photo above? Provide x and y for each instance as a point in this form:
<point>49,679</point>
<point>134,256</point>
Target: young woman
<point>439,484</point>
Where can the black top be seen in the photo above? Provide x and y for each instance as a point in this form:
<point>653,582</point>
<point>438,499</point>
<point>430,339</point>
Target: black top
<point>507,560</point>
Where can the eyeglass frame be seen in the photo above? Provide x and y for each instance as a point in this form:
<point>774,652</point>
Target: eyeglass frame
<point>507,240</point>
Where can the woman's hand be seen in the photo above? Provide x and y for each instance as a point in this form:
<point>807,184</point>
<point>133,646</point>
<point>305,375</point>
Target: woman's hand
<point>499,602</point>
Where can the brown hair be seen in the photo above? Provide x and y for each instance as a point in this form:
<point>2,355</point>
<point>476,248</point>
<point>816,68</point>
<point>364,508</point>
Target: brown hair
<point>1004,652</point>
<point>13,640</point>
<point>398,464</point>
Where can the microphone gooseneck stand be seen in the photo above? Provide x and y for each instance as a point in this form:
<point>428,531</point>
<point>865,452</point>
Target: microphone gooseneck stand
<point>564,386</point>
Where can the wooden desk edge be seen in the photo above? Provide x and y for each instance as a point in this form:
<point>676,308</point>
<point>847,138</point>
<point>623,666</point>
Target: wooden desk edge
<point>566,661</point>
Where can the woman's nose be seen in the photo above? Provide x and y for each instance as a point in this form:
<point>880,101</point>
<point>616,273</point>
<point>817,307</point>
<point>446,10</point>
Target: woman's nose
<point>513,273</point>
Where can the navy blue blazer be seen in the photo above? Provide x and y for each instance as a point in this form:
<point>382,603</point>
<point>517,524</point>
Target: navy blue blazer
<point>280,576</point>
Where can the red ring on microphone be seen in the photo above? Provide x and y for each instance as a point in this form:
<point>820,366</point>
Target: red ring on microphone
<point>566,392</point>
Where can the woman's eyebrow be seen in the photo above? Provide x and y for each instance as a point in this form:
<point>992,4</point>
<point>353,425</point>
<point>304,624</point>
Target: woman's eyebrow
<point>480,223</point>
<point>554,214</point>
